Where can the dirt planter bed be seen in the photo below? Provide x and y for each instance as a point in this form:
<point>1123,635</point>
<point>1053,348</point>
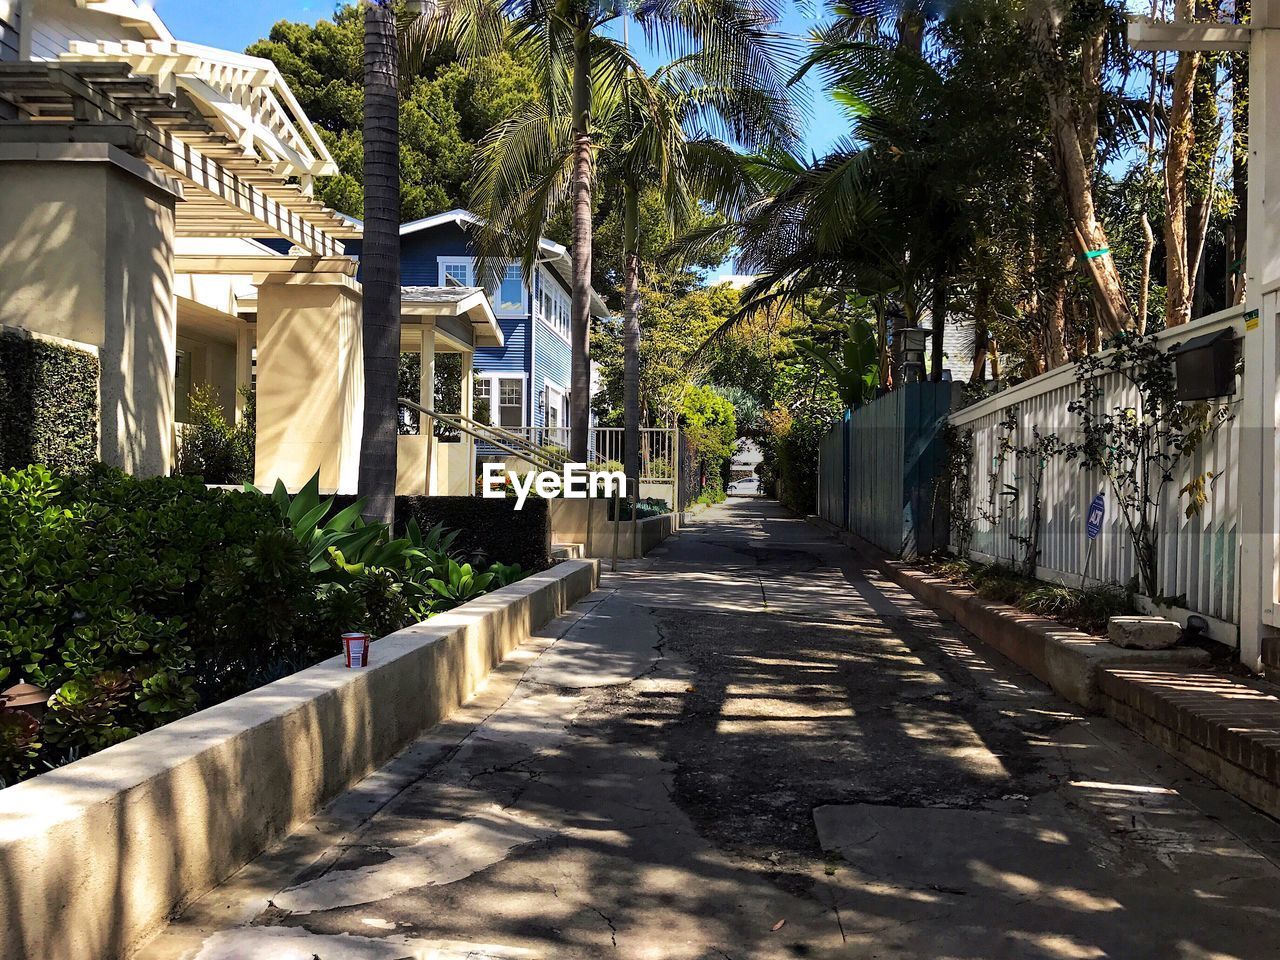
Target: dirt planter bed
<point>95,855</point>
<point>1068,660</point>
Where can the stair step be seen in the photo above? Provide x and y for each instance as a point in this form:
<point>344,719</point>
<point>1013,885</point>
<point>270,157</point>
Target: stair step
<point>567,551</point>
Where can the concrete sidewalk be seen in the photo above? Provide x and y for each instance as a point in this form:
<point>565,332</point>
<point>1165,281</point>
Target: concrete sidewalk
<point>747,746</point>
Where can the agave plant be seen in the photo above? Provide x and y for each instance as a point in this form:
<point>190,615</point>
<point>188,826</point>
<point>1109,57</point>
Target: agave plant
<point>459,584</point>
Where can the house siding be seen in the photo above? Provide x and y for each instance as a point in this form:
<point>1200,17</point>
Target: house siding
<point>10,24</point>
<point>531,347</point>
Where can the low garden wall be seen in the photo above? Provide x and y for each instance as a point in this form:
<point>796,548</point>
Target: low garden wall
<point>94,856</point>
<point>569,525</point>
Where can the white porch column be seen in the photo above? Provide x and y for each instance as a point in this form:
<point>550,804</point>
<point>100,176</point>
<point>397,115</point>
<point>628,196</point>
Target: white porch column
<point>1258,554</point>
<point>427,397</point>
<point>427,375</point>
<point>468,406</point>
<point>310,380</point>
<point>245,336</point>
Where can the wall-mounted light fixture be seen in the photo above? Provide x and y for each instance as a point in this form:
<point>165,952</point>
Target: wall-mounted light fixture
<point>1205,366</point>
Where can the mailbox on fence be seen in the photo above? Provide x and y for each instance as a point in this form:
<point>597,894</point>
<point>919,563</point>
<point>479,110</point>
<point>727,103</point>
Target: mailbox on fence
<point>1206,366</point>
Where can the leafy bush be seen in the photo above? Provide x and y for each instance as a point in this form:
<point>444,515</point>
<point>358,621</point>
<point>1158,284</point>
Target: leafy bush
<point>214,448</point>
<point>99,594</point>
<point>1087,609</point>
<point>136,601</point>
<point>48,404</point>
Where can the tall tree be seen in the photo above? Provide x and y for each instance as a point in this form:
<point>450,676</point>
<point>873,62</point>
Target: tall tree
<point>380,260</point>
<point>546,157</point>
<point>1069,43</point>
<point>663,137</point>
<point>1179,277</point>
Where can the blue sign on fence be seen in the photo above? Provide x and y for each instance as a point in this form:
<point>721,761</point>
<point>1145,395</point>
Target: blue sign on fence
<point>1097,510</point>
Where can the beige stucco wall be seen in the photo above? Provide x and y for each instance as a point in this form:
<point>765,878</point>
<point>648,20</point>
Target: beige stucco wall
<point>86,253</point>
<point>310,387</point>
<point>569,525</point>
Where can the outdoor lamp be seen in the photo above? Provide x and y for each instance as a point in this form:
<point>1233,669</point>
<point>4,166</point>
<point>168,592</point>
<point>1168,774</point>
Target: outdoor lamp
<point>26,697</point>
<point>1205,366</point>
<point>914,340</point>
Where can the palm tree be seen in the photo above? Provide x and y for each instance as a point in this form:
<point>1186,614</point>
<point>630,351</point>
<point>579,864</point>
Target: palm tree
<point>669,137</point>
<point>380,260</point>
<point>545,158</point>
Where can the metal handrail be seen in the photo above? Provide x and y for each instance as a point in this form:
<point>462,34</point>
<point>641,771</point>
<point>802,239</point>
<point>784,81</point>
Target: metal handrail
<point>473,429</point>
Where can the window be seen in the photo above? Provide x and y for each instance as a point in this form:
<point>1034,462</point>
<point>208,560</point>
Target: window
<point>455,272</point>
<point>507,298</point>
<point>556,414</point>
<point>510,297</point>
<point>555,306</point>
<point>510,402</point>
<point>483,392</point>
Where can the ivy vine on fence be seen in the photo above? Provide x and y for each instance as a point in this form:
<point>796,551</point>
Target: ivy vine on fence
<point>1139,446</point>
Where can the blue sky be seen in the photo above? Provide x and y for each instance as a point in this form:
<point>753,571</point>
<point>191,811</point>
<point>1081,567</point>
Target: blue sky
<point>234,24</point>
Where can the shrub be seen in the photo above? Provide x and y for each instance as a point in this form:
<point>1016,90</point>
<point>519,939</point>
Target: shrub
<point>213,448</point>
<point>48,404</point>
<point>133,602</point>
<point>488,529</point>
<point>99,588</point>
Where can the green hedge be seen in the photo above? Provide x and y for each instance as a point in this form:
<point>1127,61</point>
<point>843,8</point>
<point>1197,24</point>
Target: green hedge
<point>490,528</point>
<point>48,404</point>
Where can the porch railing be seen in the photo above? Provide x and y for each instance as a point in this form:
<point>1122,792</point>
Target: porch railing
<point>657,447</point>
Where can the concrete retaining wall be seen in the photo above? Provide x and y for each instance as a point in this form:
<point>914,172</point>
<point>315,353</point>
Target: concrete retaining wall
<point>95,855</point>
<point>569,525</point>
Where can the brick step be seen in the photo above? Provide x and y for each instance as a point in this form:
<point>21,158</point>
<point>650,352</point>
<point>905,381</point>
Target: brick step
<point>1225,728</point>
<point>1271,658</point>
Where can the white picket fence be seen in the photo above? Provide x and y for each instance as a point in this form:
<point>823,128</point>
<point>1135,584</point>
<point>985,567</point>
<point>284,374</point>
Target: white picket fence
<point>1198,556</point>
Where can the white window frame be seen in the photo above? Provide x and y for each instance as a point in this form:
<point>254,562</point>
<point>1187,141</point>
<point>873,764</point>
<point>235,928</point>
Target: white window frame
<point>521,310</point>
<point>443,262</point>
<point>550,387</point>
<point>558,299</point>
<point>495,396</point>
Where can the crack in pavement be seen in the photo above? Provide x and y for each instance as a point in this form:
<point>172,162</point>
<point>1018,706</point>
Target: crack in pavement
<point>613,931</point>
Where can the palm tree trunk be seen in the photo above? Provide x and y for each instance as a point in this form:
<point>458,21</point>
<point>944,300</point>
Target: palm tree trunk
<point>631,338</point>
<point>580,404</point>
<point>380,261</point>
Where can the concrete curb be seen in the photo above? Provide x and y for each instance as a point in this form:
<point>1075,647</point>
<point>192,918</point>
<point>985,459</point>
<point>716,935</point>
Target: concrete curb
<point>95,855</point>
<point>1067,660</point>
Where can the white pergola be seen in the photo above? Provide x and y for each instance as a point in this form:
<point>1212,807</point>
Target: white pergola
<point>222,128</point>
<point>1260,411</point>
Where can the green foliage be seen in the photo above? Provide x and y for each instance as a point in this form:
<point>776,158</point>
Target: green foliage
<point>1086,609</point>
<point>790,461</point>
<point>852,363</point>
<point>19,745</point>
<point>134,602</point>
<point>102,578</point>
<point>445,111</point>
<point>214,448</point>
<point>48,404</point>
<point>457,582</point>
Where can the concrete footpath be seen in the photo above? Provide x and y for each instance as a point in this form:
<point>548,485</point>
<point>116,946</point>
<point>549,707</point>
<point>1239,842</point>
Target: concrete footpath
<point>750,745</point>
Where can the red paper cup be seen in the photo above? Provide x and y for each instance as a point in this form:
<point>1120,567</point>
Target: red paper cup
<point>356,647</point>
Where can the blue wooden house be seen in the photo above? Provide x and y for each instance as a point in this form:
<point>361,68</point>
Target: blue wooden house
<point>526,380</point>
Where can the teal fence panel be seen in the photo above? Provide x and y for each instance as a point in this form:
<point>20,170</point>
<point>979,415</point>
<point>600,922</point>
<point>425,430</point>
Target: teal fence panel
<point>879,466</point>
